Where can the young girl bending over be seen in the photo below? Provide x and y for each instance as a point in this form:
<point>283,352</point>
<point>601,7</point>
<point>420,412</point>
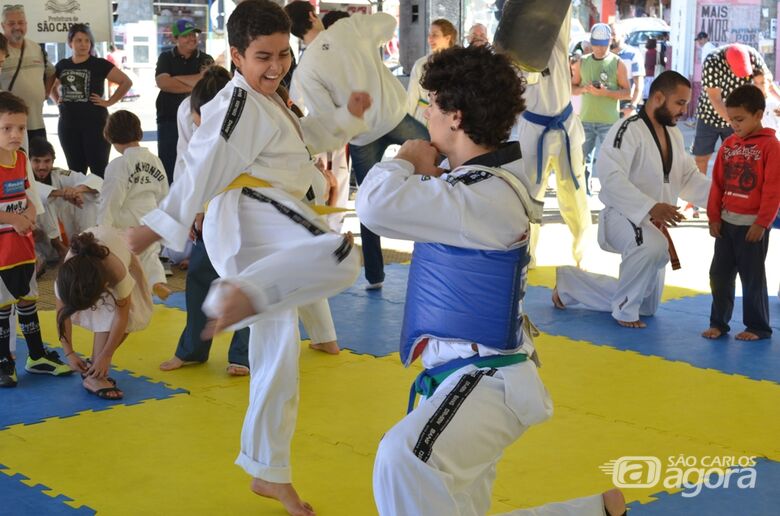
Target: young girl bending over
<point>135,183</point>
<point>101,287</point>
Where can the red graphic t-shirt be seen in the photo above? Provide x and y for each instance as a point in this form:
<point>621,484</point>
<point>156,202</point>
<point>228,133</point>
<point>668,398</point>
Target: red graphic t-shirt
<point>746,177</point>
<point>15,249</point>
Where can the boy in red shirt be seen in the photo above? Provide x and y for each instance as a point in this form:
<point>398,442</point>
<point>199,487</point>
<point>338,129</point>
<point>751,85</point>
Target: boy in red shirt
<point>17,250</point>
<point>743,202</point>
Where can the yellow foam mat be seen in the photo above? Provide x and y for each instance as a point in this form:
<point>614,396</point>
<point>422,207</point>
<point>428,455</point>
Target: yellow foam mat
<point>175,456</point>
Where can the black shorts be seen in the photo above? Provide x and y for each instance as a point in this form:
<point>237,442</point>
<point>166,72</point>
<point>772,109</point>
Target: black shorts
<point>707,136</point>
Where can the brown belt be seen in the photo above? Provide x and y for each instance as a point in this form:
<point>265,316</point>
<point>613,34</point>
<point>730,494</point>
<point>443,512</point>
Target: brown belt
<point>672,251</point>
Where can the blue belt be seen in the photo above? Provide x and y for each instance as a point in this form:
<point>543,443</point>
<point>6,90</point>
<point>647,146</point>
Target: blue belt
<point>429,379</point>
<point>551,123</point>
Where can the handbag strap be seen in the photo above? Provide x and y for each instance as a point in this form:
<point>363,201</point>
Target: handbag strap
<point>18,67</point>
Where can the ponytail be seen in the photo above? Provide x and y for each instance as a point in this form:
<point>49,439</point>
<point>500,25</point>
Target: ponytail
<point>81,280</point>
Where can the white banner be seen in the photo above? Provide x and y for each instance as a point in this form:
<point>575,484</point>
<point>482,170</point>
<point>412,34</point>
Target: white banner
<point>48,21</point>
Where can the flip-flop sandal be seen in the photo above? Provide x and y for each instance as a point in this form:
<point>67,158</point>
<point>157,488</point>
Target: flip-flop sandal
<point>104,393</point>
<point>237,370</point>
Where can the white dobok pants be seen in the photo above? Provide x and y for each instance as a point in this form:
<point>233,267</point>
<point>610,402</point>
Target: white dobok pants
<point>440,460</point>
<point>282,256</point>
<point>638,288</point>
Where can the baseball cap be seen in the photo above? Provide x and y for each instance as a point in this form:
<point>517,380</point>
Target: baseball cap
<point>738,59</point>
<point>702,35</point>
<point>600,35</point>
<point>183,27</point>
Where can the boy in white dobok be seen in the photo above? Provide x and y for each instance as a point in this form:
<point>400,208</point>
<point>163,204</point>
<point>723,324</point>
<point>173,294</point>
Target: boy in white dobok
<point>463,315</point>
<point>273,253</point>
<point>644,168</point>
<point>71,199</point>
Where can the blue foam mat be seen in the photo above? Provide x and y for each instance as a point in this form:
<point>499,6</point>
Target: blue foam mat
<point>19,499</point>
<point>369,322</point>
<point>673,333</point>
<point>758,501</point>
<point>38,397</point>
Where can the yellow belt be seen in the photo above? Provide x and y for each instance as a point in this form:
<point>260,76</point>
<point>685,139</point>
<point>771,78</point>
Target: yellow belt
<point>249,181</point>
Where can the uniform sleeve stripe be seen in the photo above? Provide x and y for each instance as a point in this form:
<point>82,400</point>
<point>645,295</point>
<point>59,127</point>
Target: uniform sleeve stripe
<point>623,128</point>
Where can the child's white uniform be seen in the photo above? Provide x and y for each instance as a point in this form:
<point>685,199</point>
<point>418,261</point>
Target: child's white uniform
<point>74,219</point>
<point>134,284</point>
<point>264,240</point>
<point>134,185</point>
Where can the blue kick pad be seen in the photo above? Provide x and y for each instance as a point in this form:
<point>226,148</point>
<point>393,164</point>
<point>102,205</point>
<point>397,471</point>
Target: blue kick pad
<point>40,396</point>
<point>21,499</point>
<point>673,333</point>
<point>760,500</point>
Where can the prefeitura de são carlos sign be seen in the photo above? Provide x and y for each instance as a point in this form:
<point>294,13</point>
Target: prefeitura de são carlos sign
<point>48,21</point>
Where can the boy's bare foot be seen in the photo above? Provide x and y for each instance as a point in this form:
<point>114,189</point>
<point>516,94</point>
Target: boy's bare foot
<point>746,335</point>
<point>556,299</point>
<point>614,502</point>
<point>330,347</point>
<point>237,370</point>
<point>234,307</point>
<point>631,324</point>
<point>175,363</point>
<point>712,333</point>
<point>285,493</point>
<point>161,290</point>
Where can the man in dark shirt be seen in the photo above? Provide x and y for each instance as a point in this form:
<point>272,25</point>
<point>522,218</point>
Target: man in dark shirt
<point>177,72</point>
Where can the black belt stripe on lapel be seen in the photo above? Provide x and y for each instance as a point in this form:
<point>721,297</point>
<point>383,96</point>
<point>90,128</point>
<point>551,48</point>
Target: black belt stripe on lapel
<point>446,412</point>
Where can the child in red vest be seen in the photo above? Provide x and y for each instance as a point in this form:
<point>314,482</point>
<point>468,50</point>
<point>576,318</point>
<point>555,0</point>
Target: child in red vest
<point>17,250</point>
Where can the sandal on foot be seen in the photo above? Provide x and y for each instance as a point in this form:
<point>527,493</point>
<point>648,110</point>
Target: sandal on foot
<point>237,370</point>
<point>104,393</point>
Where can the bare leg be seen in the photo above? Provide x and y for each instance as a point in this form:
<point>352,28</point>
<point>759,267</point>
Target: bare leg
<point>285,493</point>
